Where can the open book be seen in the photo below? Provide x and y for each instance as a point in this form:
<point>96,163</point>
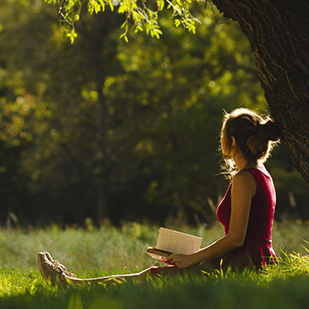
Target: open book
<point>170,241</point>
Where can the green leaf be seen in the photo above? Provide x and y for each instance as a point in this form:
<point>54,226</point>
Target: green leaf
<point>160,4</point>
<point>124,24</point>
<point>177,22</point>
<point>72,35</point>
<point>124,36</point>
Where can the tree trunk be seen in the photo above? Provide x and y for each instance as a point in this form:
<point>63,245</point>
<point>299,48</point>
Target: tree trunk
<point>278,32</point>
<point>102,63</point>
<point>103,176</point>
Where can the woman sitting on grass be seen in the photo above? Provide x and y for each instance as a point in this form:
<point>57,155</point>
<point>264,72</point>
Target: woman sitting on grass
<point>246,211</point>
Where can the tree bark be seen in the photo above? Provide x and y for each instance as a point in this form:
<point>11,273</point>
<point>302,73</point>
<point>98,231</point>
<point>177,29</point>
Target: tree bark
<point>278,32</point>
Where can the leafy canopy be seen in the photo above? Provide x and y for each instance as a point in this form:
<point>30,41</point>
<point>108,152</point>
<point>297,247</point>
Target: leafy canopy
<point>143,14</point>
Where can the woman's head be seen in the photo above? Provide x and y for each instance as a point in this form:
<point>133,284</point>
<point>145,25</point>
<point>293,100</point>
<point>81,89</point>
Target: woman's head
<point>245,131</point>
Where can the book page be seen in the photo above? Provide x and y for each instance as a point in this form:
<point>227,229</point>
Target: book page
<point>177,242</point>
<point>157,253</point>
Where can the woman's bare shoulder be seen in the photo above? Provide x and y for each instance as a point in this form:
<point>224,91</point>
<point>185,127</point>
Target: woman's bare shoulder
<point>245,179</point>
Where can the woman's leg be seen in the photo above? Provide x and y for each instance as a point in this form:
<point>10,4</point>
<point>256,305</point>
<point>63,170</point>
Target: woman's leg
<point>55,272</point>
<point>154,271</point>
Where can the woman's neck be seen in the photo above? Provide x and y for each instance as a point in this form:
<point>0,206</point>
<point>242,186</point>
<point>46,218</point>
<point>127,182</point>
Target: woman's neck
<point>243,163</point>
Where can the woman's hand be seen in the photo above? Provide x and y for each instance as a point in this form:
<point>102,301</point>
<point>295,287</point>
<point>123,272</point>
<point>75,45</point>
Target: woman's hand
<point>180,260</point>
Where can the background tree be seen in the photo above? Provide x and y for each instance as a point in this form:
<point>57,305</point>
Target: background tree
<point>181,112</point>
<point>277,33</point>
<point>155,155</point>
<point>74,118</point>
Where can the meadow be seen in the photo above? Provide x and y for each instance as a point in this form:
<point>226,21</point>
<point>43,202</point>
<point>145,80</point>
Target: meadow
<point>90,252</point>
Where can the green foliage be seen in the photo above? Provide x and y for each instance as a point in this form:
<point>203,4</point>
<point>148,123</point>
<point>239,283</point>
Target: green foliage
<point>143,118</point>
<point>144,15</point>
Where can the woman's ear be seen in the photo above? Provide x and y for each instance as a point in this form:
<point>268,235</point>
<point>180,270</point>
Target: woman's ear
<point>233,142</point>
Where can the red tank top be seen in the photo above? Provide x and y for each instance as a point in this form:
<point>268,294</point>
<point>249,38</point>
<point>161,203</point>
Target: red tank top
<point>257,249</point>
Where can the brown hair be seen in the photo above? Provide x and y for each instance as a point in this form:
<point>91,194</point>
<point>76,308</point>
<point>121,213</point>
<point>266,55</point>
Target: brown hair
<point>255,136</point>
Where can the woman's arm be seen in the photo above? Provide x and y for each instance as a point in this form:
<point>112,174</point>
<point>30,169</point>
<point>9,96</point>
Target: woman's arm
<point>243,189</point>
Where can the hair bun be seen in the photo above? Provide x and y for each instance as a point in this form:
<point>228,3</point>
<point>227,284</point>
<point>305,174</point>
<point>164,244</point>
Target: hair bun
<point>269,131</point>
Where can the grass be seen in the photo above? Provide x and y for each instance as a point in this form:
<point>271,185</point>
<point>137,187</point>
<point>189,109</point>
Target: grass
<point>91,252</point>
